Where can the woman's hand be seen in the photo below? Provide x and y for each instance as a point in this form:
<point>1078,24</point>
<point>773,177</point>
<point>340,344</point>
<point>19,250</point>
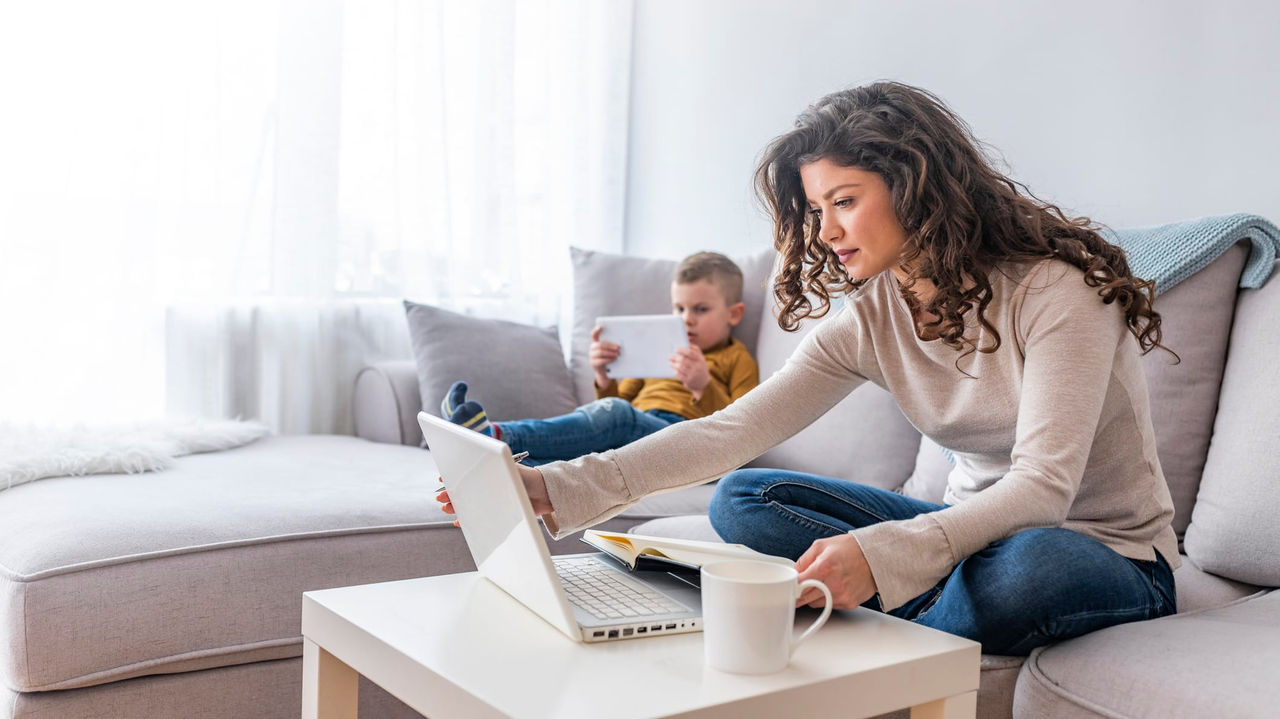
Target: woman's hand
<point>691,369</point>
<point>534,485</point>
<point>601,354</point>
<point>839,563</point>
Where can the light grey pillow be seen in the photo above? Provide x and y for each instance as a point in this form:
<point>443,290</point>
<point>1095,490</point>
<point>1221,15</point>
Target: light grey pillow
<point>1196,318</point>
<point>516,371</point>
<point>608,284</point>
<point>1234,532</point>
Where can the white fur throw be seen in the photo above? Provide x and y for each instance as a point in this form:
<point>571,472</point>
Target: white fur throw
<point>28,453</point>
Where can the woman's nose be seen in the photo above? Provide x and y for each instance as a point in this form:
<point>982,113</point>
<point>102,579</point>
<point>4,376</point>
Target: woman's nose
<point>828,231</point>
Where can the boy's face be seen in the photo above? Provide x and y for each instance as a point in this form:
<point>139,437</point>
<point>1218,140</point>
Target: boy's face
<point>708,317</point>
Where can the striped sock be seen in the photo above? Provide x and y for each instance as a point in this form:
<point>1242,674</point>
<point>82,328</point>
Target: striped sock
<point>456,408</point>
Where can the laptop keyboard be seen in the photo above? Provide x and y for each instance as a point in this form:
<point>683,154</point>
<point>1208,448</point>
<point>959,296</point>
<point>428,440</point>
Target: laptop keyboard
<point>603,593</point>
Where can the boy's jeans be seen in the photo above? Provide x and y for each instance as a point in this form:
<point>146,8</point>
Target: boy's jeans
<point>1036,587</point>
<point>607,423</point>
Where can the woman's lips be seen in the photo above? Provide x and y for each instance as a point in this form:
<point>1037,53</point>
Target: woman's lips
<point>844,255</point>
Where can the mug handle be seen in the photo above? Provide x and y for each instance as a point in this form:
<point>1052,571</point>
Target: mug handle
<point>822,618</point>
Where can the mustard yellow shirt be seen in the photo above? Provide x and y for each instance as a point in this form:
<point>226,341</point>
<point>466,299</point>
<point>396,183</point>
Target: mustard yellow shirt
<point>733,374</point>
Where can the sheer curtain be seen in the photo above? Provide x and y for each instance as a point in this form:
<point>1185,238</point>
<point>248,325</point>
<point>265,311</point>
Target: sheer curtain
<point>215,208</point>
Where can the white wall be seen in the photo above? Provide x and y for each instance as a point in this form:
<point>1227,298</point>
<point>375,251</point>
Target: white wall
<point>1131,113</point>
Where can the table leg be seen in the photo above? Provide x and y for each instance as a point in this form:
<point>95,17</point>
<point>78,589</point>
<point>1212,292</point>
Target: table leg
<point>329,687</point>
<point>960,706</point>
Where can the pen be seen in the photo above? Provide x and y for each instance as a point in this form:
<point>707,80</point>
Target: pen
<point>515,458</point>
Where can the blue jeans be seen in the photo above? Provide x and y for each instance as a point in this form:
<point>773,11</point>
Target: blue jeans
<point>607,423</point>
<point>1036,587</point>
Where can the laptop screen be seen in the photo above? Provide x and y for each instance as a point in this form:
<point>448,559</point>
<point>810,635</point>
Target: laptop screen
<point>497,520</point>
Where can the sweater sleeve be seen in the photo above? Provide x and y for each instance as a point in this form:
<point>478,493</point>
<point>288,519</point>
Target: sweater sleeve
<point>1071,342</point>
<point>595,487</point>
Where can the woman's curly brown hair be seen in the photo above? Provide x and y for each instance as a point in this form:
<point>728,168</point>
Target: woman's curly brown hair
<point>963,219</point>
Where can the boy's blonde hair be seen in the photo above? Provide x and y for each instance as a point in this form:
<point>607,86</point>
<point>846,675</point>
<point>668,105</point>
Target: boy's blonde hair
<point>720,270</point>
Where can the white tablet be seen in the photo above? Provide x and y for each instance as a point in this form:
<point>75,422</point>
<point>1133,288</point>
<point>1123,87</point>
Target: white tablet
<point>646,341</point>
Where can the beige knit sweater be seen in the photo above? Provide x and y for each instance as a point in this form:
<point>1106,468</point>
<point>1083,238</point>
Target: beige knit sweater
<point>1052,430</point>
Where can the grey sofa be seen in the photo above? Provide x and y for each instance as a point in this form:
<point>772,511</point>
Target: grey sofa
<point>1217,417</point>
<point>177,593</point>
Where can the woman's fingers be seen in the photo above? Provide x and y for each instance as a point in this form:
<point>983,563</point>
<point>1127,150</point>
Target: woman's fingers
<point>812,597</point>
<point>442,496</point>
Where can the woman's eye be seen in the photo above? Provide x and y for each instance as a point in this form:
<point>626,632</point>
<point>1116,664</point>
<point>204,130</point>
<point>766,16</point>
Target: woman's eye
<point>844,202</point>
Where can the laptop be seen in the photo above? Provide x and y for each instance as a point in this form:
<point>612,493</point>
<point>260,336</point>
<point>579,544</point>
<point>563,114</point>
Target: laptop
<point>586,596</point>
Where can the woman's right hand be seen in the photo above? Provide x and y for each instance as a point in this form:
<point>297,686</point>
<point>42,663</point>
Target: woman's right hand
<point>601,354</point>
<point>534,486</point>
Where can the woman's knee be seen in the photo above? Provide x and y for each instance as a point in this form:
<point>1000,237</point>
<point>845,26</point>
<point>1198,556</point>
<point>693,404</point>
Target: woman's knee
<point>726,508</point>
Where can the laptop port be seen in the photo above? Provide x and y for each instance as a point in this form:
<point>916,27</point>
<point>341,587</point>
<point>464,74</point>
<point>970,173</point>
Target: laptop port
<point>656,627</point>
<point>671,626</point>
<point>598,633</point>
<point>628,632</point>
<point>641,630</point>
<point>613,633</point>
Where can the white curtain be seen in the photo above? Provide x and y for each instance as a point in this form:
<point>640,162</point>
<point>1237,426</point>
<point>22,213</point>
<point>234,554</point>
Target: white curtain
<point>214,208</point>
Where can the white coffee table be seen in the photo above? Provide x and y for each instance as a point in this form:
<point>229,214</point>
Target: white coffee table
<point>457,646</point>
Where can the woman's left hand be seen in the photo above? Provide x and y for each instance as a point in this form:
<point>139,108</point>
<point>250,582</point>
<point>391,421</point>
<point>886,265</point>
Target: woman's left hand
<point>839,563</point>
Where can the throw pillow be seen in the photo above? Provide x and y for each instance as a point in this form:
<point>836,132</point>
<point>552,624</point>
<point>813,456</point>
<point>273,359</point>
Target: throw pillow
<point>610,284</point>
<point>514,370</point>
<point>1234,532</point>
<point>1184,397</point>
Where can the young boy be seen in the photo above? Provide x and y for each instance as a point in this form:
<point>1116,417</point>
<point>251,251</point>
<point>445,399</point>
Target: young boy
<point>714,370</point>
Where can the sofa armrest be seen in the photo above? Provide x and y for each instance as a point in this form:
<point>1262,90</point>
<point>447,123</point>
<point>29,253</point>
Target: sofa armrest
<point>386,403</point>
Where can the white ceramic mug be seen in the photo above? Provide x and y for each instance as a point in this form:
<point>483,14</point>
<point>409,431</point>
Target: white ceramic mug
<point>748,611</point>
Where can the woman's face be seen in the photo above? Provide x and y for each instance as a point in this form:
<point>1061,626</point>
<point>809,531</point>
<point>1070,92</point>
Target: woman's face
<point>854,210</point>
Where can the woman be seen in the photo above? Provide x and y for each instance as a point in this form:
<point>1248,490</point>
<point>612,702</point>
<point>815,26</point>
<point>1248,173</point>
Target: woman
<point>1005,331</point>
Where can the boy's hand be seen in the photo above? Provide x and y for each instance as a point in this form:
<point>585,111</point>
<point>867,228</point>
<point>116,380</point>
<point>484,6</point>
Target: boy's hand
<point>691,369</point>
<point>601,355</point>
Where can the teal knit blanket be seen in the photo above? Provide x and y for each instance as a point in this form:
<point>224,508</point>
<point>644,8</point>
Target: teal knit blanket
<point>1171,253</point>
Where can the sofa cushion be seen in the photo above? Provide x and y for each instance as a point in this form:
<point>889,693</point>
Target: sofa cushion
<point>1198,589</point>
<point>113,576</point>
<point>689,526</point>
<point>1215,663</point>
<point>1196,317</point>
<point>1234,532</point>
<point>108,577</point>
<point>864,438</point>
<point>608,284</point>
<point>532,382</point>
